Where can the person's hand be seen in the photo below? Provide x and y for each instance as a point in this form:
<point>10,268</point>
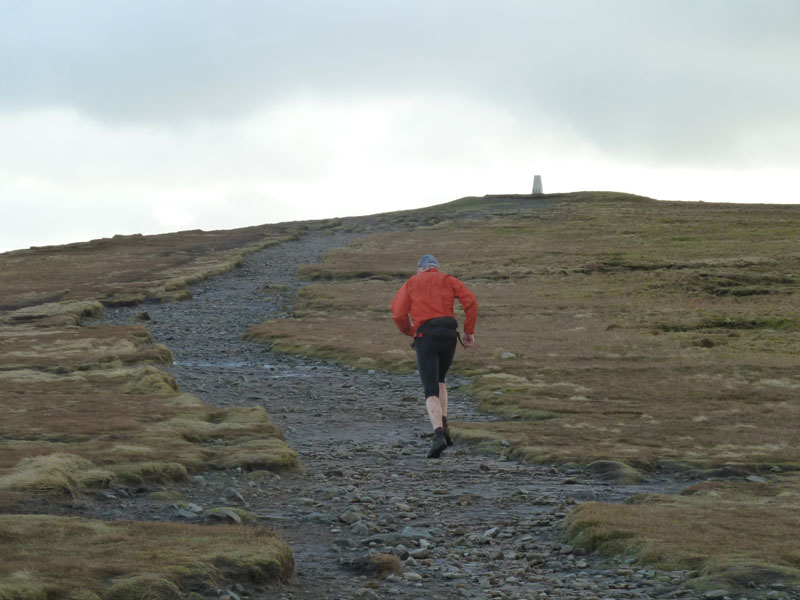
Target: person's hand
<point>469,340</point>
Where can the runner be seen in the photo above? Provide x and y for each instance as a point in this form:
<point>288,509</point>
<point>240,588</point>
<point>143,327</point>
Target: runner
<point>423,309</point>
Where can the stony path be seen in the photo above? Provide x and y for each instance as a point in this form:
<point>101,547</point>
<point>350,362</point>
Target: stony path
<point>465,526</point>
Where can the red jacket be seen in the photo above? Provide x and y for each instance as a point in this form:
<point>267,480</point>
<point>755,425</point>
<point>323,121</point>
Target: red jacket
<point>431,294</point>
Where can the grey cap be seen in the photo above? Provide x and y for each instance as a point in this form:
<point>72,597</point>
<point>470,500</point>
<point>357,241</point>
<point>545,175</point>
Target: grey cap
<point>428,260</point>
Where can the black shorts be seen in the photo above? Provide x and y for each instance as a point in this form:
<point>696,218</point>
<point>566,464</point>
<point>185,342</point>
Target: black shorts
<point>436,347</point>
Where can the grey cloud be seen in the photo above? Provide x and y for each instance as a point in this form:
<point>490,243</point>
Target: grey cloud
<point>677,80</point>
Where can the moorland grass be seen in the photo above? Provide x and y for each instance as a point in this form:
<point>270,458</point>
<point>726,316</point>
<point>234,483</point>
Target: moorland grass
<point>54,348</point>
<point>128,423</point>
<point>643,351</point>
<point>611,328</point>
<point>58,557</point>
<point>84,407</point>
<point>127,269</point>
<point>736,534</point>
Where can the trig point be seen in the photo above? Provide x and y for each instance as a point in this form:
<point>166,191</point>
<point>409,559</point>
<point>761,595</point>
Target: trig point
<point>537,185</point>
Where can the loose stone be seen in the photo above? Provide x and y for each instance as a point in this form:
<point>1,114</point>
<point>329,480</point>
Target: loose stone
<point>359,528</point>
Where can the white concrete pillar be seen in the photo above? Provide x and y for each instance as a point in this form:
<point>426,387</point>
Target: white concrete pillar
<point>537,185</point>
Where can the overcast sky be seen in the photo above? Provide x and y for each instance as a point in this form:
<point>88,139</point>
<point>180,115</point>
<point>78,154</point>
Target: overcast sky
<point>161,115</point>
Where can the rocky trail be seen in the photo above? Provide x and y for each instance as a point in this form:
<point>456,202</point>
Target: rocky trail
<point>467,525</point>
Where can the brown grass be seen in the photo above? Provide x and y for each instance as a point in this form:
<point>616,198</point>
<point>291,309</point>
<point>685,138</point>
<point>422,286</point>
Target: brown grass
<point>733,533</point>
<point>55,348</point>
<point>126,269</point>
<point>610,328</point>
<point>616,343</point>
<point>119,431</point>
<point>79,405</point>
<point>378,565</point>
<point>86,407</point>
<point>49,557</point>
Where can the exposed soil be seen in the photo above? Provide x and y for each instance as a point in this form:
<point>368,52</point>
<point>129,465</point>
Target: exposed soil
<point>467,525</point>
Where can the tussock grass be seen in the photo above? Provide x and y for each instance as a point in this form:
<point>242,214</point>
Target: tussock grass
<point>54,348</point>
<point>732,533</point>
<point>49,557</point>
<point>53,474</point>
<point>271,454</point>
<point>70,312</point>
<point>378,565</point>
<point>87,407</point>
<point>129,379</point>
<point>611,328</point>
<point>116,431</point>
<point>166,495</point>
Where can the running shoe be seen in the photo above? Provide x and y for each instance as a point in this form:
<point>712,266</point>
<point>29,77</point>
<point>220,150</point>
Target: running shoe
<point>437,447</point>
<point>448,440</point>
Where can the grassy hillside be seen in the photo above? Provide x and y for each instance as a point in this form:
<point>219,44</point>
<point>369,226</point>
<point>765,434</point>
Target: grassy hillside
<point>662,336</point>
<point>88,407</point>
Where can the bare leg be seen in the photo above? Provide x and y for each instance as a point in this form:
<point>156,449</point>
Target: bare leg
<point>443,398</point>
<point>443,403</point>
<point>434,406</point>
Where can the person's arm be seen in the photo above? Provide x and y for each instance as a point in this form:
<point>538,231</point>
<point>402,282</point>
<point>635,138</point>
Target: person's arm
<point>401,306</point>
<point>470,305</point>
